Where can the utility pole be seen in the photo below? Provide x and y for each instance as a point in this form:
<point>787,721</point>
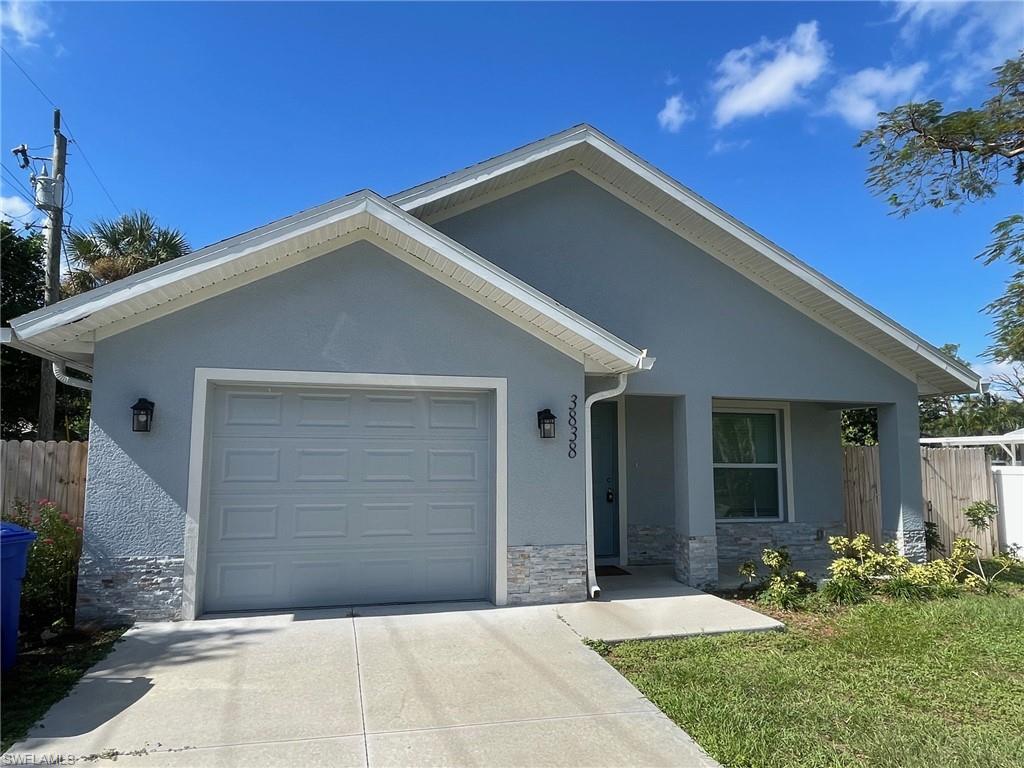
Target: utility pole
<point>51,290</point>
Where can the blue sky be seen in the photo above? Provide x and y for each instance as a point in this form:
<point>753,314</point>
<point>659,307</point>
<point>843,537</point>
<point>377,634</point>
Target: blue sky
<point>218,117</point>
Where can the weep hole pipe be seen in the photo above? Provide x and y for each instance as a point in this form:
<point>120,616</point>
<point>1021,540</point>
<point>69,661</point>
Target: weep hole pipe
<point>593,589</point>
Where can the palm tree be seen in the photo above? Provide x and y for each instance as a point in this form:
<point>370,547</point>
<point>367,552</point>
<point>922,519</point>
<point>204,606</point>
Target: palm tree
<point>110,250</point>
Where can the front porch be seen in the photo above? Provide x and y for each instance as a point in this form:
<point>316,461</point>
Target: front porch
<point>648,602</point>
<point>703,484</point>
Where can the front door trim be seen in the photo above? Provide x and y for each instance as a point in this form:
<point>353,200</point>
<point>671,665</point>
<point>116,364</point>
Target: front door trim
<point>191,601</point>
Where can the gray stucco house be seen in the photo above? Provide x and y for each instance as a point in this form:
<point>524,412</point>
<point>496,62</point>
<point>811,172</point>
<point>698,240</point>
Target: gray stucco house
<point>348,402</point>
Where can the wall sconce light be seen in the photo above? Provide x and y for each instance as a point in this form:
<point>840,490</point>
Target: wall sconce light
<point>142,415</point>
<point>546,423</point>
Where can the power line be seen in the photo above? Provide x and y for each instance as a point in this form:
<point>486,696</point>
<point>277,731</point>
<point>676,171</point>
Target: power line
<point>18,183</point>
<point>71,134</point>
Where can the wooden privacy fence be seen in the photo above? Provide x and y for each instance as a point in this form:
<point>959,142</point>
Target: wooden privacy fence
<point>862,502</point>
<point>951,479</point>
<point>31,470</point>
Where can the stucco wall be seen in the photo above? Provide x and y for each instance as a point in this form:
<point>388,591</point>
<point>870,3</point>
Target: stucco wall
<point>357,310</point>
<point>649,474</point>
<point>816,460</point>
<point>712,330</point>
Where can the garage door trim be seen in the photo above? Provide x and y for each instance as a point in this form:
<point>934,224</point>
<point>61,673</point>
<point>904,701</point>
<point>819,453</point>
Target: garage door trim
<point>205,378</point>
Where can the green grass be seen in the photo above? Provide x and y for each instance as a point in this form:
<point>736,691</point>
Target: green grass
<point>44,675</point>
<point>886,684</point>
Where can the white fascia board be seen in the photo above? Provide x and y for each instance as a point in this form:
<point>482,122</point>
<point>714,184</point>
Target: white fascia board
<point>55,316</point>
<point>454,183</point>
<point>9,338</point>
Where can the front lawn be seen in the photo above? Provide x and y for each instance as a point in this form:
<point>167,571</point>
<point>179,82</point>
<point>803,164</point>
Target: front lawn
<point>887,683</point>
<point>44,675</point>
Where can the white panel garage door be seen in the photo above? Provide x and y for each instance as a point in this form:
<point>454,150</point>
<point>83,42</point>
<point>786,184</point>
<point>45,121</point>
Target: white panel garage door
<point>319,497</point>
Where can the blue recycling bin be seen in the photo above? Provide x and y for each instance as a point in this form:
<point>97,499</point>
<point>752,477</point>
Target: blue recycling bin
<point>14,545</point>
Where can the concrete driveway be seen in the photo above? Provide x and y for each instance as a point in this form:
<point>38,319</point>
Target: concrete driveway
<point>439,685</point>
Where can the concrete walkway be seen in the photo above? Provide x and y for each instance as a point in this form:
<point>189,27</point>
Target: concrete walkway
<point>454,685</point>
<point>649,603</point>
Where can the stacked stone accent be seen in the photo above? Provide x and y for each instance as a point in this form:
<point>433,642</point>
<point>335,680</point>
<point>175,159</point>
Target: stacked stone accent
<point>554,573</point>
<point>650,544</point>
<point>807,542</point>
<point>696,561</point>
<point>122,590</point>
<point>910,542</point>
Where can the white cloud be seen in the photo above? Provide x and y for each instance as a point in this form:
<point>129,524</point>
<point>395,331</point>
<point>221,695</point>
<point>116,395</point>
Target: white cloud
<point>675,112</point>
<point>721,145</point>
<point>769,75</point>
<point>14,208</point>
<point>986,35</point>
<point>671,79</point>
<point>25,19</point>
<point>858,98</point>
<point>915,15</point>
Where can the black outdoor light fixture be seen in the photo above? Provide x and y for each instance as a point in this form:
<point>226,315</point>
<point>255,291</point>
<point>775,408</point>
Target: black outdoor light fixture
<point>142,415</point>
<point>546,423</point>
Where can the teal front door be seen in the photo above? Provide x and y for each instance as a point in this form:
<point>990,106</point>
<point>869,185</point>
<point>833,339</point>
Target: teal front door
<point>605,428</point>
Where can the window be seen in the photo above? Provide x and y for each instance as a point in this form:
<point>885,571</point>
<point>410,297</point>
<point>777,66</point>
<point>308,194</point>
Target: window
<point>747,464</point>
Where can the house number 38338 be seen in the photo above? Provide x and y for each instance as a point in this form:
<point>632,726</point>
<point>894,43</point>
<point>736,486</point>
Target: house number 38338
<point>573,430</point>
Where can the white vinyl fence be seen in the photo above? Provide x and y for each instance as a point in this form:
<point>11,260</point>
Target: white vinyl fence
<point>1010,498</point>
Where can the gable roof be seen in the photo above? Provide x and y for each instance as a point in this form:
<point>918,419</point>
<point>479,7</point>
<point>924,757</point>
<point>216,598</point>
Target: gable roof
<point>587,151</point>
<point>68,329</point>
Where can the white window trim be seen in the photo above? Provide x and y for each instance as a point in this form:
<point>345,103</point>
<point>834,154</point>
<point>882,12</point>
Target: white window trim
<point>784,441</point>
<point>205,377</point>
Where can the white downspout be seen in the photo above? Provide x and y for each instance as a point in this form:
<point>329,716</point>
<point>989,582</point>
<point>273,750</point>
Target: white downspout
<point>60,373</point>
<point>593,589</point>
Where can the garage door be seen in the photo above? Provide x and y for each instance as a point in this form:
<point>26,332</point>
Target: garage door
<point>319,497</point>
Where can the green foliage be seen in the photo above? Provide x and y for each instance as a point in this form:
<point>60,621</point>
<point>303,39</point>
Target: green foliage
<point>21,290</point>
<point>749,570</point>
<point>922,156</point>
<point>21,287</point>
<point>980,515</point>
<point>599,647</point>
<point>860,426</point>
<point>885,571</point>
<point>783,588</point>
<point>887,684</point>
<point>844,591</point>
<point>972,414</point>
<point>111,250</point>
<point>48,590</point>
<point>932,539</point>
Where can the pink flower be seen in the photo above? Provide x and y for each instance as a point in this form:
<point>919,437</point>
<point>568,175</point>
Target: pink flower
<point>44,502</point>
<point>47,541</point>
<point>78,529</point>
<point>35,519</point>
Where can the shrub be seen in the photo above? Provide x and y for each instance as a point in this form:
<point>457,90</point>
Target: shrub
<point>784,587</point>
<point>48,590</point>
<point>979,516</point>
<point>885,571</point>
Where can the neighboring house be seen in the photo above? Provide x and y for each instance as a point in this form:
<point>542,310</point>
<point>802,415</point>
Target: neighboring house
<point>347,400</point>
